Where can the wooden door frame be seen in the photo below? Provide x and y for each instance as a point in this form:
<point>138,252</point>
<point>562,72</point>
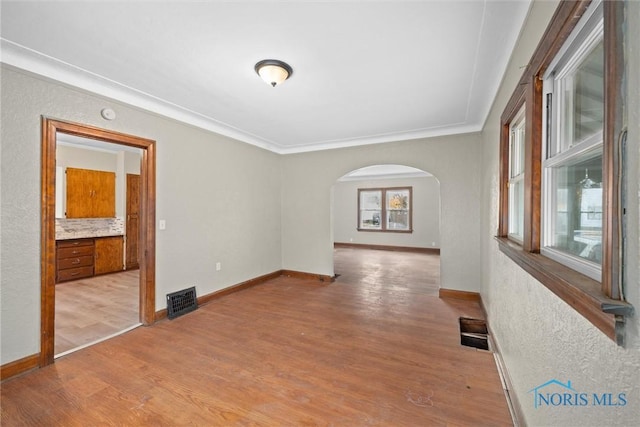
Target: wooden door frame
<point>147,259</point>
<point>128,266</point>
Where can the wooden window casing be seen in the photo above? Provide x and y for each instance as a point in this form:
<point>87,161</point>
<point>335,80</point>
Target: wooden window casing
<point>384,209</point>
<point>599,302</point>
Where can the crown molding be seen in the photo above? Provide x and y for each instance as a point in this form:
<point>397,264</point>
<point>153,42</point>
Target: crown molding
<point>21,57</point>
<point>455,129</point>
<point>35,62</point>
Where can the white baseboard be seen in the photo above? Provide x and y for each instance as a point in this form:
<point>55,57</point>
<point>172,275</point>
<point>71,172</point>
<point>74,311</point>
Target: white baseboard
<point>512,401</point>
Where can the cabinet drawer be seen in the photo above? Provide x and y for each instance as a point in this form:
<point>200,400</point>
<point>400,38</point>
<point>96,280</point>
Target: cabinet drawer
<point>74,243</point>
<point>75,273</point>
<point>81,261</point>
<point>74,252</point>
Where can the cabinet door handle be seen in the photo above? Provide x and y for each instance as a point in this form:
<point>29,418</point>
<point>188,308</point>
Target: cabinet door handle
<point>75,273</point>
<point>76,261</point>
<point>75,252</point>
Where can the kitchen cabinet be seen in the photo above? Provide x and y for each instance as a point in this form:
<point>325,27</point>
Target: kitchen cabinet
<point>82,258</point>
<point>109,254</point>
<point>90,193</point>
<point>74,259</point>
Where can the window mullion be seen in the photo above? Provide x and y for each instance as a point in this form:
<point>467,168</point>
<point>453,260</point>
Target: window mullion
<point>532,165</point>
<point>384,210</point>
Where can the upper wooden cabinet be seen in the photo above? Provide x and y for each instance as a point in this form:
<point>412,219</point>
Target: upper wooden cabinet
<point>91,193</point>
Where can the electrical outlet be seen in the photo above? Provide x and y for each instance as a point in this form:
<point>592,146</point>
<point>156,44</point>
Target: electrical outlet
<point>162,224</point>
<point>218,266</point>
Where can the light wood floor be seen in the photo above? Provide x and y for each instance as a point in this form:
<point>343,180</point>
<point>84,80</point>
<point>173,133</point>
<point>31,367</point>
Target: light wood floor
<point>404,271</point>
<point>90,309</point>
<point>289,352</point>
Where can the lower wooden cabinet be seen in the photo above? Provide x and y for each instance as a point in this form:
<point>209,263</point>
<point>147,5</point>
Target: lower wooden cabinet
<point>74,259</point>
<point>82,258</point>
<point>109,254</point>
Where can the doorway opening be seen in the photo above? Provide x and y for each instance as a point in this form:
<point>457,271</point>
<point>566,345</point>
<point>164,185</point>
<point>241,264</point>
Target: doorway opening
<point>51,131</point>
<point>370,243</point>
<point>97,214</point>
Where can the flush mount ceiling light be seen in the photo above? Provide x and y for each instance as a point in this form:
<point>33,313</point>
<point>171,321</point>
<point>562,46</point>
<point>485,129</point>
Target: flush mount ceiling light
<point>273,72</point>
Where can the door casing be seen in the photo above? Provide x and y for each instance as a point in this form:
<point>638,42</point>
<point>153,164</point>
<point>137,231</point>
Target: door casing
<point>133,216</point>
<point>50,129</point>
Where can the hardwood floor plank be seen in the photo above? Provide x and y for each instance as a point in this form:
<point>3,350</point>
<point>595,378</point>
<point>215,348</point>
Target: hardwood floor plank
<point>93,308</point>
<point>370,348</point>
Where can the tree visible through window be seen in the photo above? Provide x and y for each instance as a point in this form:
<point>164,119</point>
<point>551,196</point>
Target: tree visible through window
<point>385,209</point>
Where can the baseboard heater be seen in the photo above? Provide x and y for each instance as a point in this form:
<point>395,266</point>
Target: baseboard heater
<point>181,302</point>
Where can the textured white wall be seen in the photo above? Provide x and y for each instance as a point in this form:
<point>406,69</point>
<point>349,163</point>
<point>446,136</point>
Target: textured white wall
<point>220,198</point>
<point>540,336</point>
<point>307,243</point>
<point>425,211</point>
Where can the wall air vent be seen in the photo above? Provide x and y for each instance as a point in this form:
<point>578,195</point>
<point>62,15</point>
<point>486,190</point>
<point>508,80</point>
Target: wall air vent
<point>474,333</point>
<point>181,302</point>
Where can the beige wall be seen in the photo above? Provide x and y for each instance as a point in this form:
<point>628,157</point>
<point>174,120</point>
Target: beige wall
<point>220,199</point>
<point>120,162</point>
<point>73,157</point>
<point>223,201</point>
<point>541,337</point>
<point>307,234</point>
<point>425,211</point>
<point>256,212</point>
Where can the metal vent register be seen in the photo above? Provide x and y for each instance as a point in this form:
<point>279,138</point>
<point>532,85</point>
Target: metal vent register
<point>474,333</point>
<point>181,302</point>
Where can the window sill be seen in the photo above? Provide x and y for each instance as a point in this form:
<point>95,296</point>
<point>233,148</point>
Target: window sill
<point>384,231</point>
<point>579,291</point>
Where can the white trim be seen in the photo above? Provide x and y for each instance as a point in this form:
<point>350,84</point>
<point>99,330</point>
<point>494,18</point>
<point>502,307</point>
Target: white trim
<point>130,328</point>
<point>386,176</point>
<point>557,152</point>
<point>585,267</point>
<point>23,58</point>
<point>562,159</point>
<point>30,60</point>
<point>577,35</point>
<point>515,409</point>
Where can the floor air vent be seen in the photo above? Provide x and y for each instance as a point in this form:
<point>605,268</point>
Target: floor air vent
<point>474,333</point>
<point>181,302</point>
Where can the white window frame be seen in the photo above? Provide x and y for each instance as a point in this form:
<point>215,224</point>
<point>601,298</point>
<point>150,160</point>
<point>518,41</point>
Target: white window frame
<point>517,162</point>
<point>556,152</point>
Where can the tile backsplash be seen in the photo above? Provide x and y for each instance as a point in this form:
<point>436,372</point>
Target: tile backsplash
<point>88,227</point>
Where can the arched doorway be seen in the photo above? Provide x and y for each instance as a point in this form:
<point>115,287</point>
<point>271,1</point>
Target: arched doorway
<point>386,225</point>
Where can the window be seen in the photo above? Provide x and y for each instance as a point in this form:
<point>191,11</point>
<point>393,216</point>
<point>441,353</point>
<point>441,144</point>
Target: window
<point>385,209</point>
<point>572,167</point>
<point>560,210</point>
<point>516,177</point>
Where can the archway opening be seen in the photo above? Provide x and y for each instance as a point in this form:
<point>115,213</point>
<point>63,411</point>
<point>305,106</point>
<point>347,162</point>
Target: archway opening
<point>386,227</point>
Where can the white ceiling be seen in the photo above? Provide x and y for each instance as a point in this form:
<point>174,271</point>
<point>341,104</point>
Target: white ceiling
<point>363,71</point>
